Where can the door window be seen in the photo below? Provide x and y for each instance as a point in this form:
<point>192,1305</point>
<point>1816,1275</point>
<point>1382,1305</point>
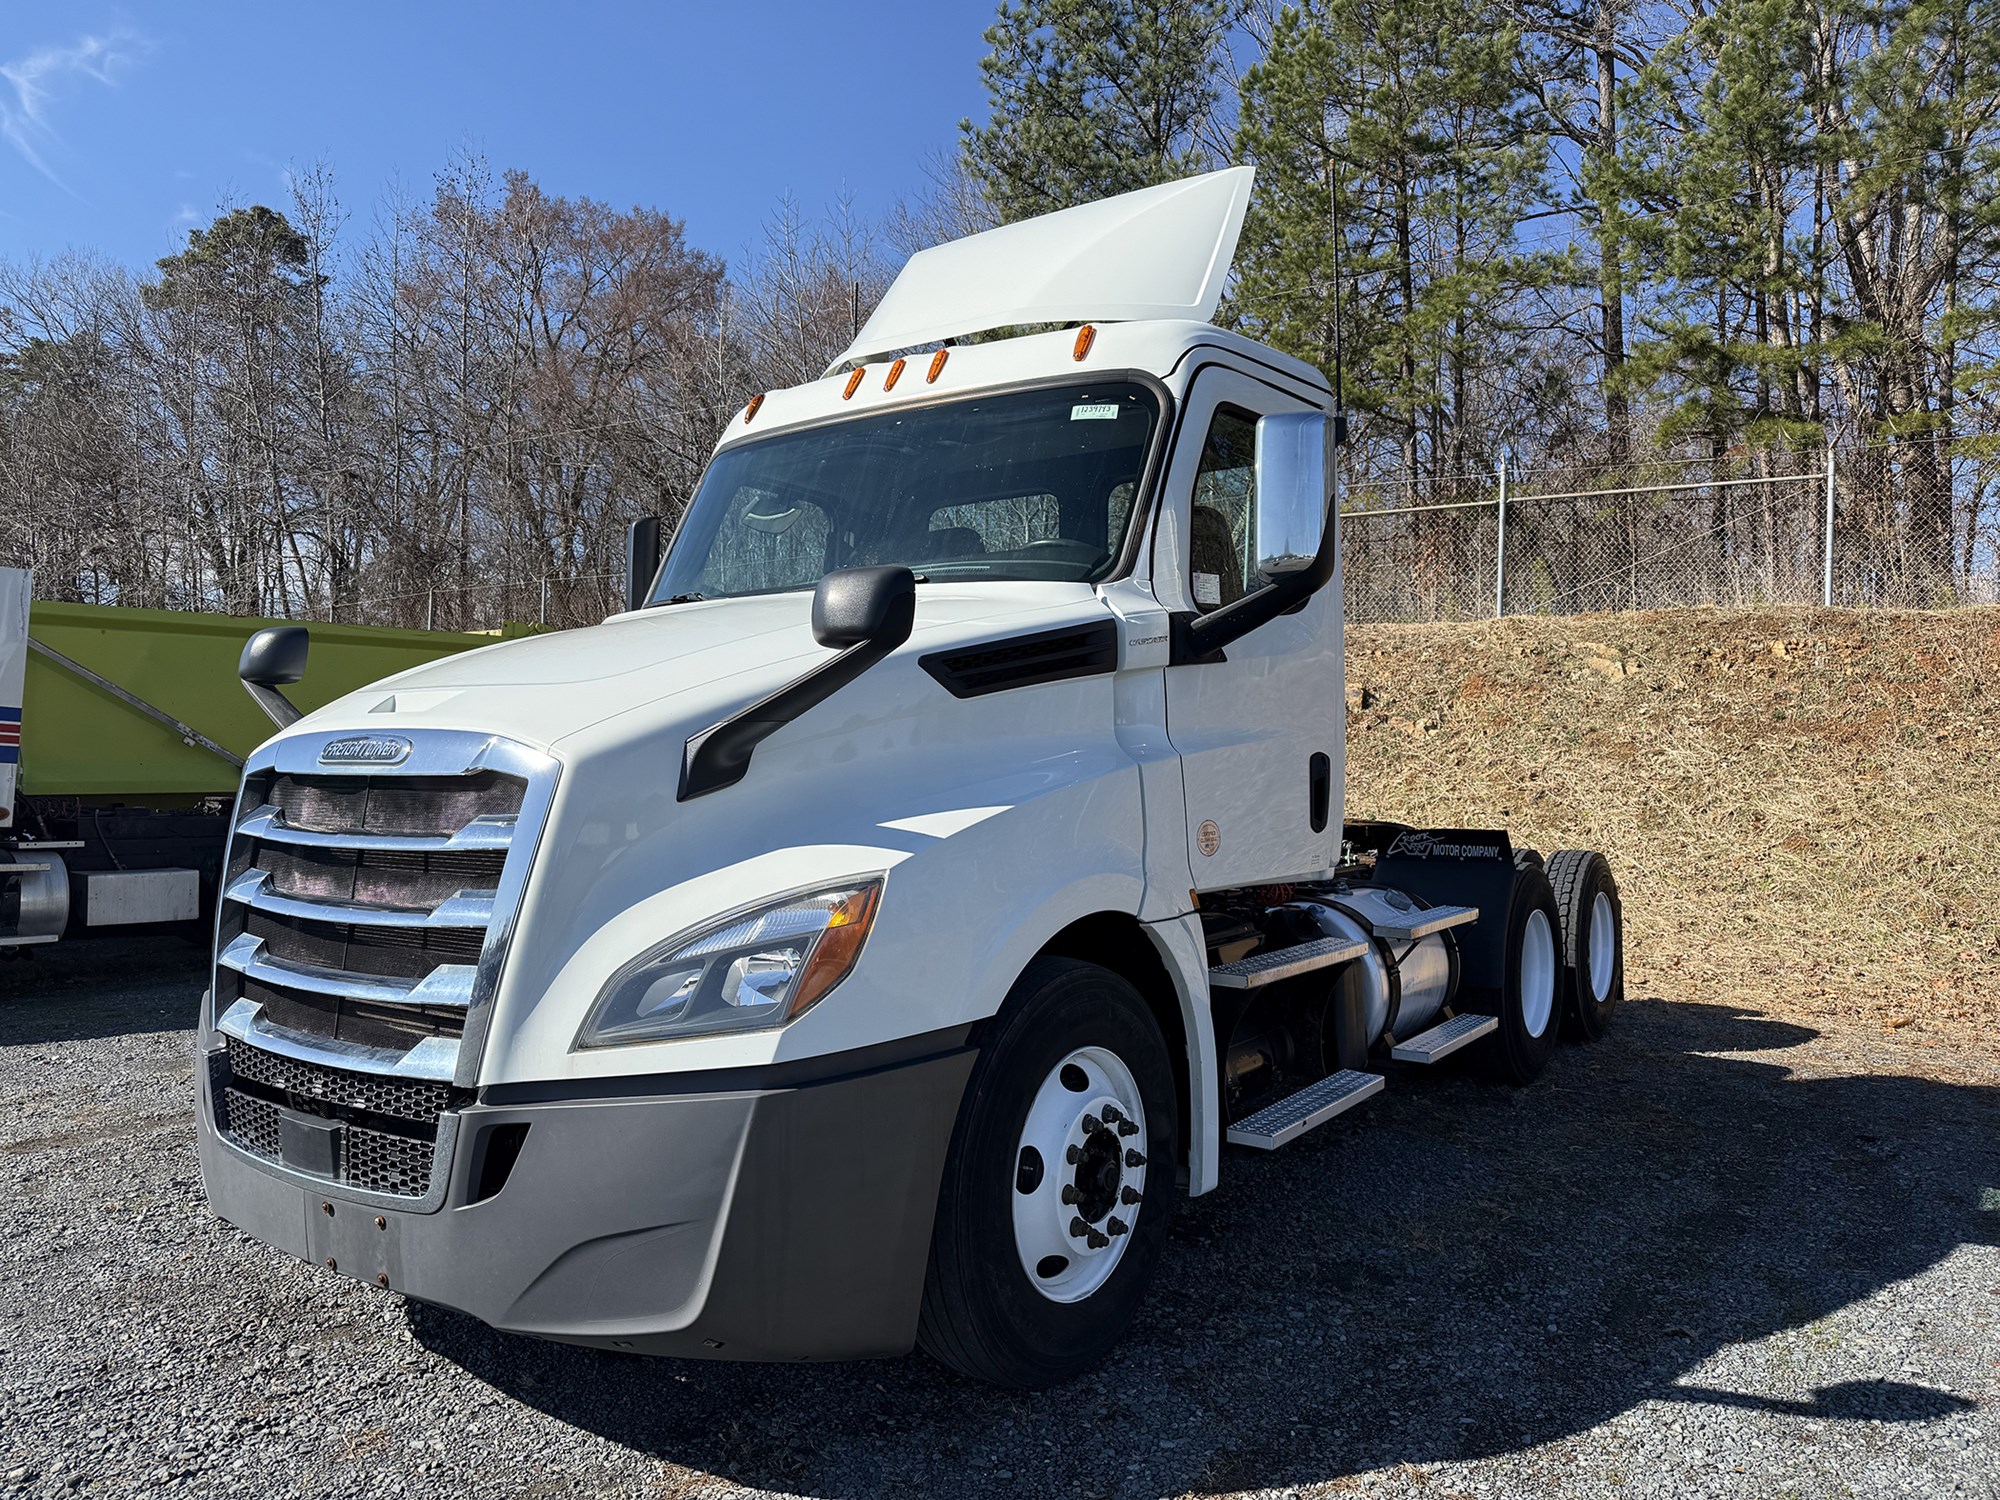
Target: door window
<point>1221,516</point>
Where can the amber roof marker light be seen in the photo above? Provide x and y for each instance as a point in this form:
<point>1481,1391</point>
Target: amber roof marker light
<point>854,382</point>
<point>895,374</point>
<point>937,366</point>
<point>1085,337</point>
<point>750,411</point>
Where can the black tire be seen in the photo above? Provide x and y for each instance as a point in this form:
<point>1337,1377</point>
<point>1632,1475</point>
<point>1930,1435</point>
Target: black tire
<point>1518,1051</point>
<point>982,1315</point>
<point>1527,859</point>
<point>1580,878</point>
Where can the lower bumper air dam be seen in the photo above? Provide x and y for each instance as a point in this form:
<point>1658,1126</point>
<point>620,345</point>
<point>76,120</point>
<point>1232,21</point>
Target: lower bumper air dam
<point>746,1216</point>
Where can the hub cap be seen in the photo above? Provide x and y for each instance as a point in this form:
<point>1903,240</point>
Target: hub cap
<point>1603,947</point>
<point>1538,974</point>
<point>1079,1174</point>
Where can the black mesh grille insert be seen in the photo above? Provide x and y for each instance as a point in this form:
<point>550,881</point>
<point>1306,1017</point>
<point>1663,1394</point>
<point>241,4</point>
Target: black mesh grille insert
<point>339,1090</point>
<point>357,948</point>
<point>378,877</point>
<point>389,1125</point>
<point>397,805</point>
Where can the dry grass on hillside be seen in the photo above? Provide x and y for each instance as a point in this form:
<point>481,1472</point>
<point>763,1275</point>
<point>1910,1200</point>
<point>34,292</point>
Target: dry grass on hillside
<point>1802,806</point>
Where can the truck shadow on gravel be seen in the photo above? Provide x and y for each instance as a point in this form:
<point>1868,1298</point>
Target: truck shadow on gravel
<point>1459,1270</point>
<point>101,987</point>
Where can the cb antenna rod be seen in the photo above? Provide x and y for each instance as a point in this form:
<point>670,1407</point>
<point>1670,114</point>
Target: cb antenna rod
<point>1339,371</point>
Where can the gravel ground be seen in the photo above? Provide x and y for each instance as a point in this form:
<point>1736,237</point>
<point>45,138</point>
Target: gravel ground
<point>1718,1254</point>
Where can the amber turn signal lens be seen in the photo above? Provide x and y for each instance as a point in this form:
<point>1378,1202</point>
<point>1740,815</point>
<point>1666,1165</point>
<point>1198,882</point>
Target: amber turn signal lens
<point>1085,337</point>
<point>937,367</point>
<point>750,411</point>
<point>895,374</point>
<point>838,947</point>
<point>853,383</point>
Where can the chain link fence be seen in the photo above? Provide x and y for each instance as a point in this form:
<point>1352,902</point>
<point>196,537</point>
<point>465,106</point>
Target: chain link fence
<point>1911,525</point>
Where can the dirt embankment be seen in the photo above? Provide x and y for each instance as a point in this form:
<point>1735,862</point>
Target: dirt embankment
<point>1802,806</point>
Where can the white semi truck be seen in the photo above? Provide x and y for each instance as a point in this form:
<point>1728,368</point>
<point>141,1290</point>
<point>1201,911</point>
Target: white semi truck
<point>862,940</point>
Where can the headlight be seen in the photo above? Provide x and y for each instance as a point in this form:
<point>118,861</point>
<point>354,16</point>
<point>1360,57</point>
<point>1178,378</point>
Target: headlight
<point>747,971</point>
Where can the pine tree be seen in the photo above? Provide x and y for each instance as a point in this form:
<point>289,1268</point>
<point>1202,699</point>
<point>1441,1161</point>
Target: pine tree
<point>1399,121</point>
<point>1094,97</point>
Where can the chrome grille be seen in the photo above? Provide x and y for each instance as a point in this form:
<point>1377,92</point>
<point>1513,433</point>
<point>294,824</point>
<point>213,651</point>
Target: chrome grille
<point>364,924</point>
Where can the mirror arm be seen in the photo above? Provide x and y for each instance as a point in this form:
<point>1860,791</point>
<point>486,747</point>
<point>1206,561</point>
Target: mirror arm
<point>283,712</point>
<point>719,755</point>
<point>1203,636</point>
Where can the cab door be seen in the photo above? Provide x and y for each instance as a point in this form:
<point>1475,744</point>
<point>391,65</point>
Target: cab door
<point>1260,732</point>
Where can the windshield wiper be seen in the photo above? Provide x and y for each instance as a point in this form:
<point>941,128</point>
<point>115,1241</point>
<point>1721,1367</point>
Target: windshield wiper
<point>685,599</point>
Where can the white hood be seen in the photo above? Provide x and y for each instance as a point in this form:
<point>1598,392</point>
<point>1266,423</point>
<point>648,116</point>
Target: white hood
<point>685,662</point>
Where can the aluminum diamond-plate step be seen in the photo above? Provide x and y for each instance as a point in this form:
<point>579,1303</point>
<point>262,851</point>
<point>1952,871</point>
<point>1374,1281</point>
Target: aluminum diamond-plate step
<point>1424,922</point>
<point>1444,1039</point>
<point>1295,1114</point>
<point>1274,964</point>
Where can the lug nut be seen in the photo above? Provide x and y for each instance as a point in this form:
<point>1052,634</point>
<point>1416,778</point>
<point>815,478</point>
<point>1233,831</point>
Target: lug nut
<point>1126,1127</point>
<point>1097,1241</point>
<point>1069,1192</point>
<point>1117,1225</point>
<point>1128,1195</point>
<point>1111,1114</point>
<point>1073,1155</point>
<point>1090,1124</point>
<point>1134,1159</point>
<point>1077,1228</point>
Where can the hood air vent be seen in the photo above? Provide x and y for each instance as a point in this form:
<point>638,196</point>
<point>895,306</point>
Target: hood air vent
<point>1025,660</point>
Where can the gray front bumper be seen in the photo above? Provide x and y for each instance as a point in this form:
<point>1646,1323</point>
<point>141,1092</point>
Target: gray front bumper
<point>789,1222</point>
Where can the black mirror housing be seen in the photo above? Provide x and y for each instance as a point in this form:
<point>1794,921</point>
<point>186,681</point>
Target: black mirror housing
<point>272,658</point>
<point>865,606</point>
<point>276,656</point>
<point>642,560</point>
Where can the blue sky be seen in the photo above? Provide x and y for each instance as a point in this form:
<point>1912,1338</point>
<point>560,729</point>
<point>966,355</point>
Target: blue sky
<point>121,125</point>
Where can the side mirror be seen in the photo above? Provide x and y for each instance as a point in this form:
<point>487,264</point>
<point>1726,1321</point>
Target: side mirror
<point>642,560</point>
<point>865,606</point>
<point>863,612</point>
<point>1292,471</point>
<point>273,658</point>
<point>1296,552</point>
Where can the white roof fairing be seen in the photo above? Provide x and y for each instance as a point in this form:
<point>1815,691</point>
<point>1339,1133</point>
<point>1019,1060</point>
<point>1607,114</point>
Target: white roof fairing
<point>1160,253</point>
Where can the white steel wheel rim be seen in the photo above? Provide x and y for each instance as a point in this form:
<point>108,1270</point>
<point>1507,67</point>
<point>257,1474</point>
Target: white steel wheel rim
<point>1538,973</point>
<point>1101,1158</point>
<point>1603,946</point>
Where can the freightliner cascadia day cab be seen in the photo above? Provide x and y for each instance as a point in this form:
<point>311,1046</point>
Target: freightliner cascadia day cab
<point>864,939</point>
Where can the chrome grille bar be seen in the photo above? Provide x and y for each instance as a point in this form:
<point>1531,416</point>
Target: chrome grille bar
<point>466,909</point>
<point>492,831</point>
<point>448,984</point>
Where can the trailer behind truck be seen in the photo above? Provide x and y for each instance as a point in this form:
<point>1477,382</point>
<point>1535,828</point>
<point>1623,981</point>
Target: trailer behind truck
<point>940,869</point>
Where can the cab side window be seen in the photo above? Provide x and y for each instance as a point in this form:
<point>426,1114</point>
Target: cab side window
<point>1221,510</point>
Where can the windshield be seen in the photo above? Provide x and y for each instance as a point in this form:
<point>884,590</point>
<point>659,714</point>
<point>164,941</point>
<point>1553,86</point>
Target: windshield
<point>1025,484</point>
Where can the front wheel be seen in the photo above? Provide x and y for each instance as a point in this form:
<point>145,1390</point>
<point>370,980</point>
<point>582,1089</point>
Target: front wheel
<point>1053,1210</point>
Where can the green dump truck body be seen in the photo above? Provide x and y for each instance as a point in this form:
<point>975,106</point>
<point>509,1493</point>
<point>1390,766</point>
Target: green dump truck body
<point>80,740</point>
<point>122,738</point>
